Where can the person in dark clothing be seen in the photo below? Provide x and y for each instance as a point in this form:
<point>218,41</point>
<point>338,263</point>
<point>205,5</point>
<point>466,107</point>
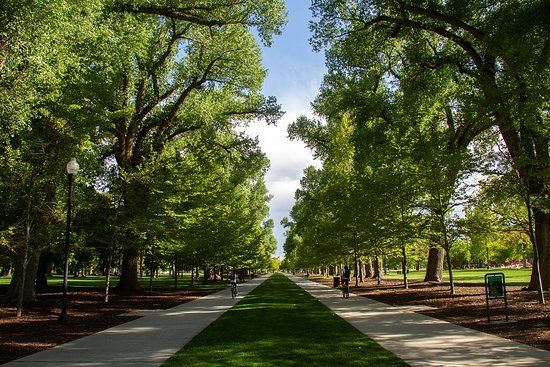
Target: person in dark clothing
<point>345,275</point>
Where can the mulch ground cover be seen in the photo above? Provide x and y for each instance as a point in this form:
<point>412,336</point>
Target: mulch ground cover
<point>531,320</point>
<point>39,329</point>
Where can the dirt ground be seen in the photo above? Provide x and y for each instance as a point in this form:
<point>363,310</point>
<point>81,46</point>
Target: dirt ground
<point>530,320</point>
<point>39,329</point>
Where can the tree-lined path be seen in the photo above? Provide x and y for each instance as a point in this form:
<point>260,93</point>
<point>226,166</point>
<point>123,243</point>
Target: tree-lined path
<point>422,340</point>
<point>143,138</point>
<point>280,325</point>
<point>277,323</point>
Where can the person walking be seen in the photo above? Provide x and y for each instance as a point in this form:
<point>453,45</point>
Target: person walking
<point>345,281</point>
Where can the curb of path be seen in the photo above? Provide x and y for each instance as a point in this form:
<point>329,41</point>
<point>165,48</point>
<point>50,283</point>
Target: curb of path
<point>144,342</point>
<point>421,340</point>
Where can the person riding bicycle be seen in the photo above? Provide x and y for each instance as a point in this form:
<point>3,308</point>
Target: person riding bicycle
<point>234,279</point>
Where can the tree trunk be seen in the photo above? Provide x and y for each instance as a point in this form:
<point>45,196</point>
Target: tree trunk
<point>356,267</point>
<point>108,275</point>
<point>205,275</point>
<point>30,278</point>
<point>361,271</point>
<point>404,267</point>
<point>542,234</point>
<point>450,269</point>
<point>129,272</point>
<point>434,268</point>
<point>42,272</point>
<point>136,202</point>
<point>447,246</point>
<point>487,251</point>
<point>369,269</point>
<point>529,152</point>
<point>175,275</point>
<point>404,264</point>
<point>378,265</point>
<point>151,276</point>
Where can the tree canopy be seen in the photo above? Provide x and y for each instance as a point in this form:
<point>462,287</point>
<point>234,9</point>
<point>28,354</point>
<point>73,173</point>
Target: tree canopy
<point>150,97</point>
<point>428,92</point>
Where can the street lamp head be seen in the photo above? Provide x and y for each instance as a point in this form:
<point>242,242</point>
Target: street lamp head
<point>72,167</point>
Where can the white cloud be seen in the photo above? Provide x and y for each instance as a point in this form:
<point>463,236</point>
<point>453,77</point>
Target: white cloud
<point>288,158</point>
<point>283,194</point>
<point>295,74</point>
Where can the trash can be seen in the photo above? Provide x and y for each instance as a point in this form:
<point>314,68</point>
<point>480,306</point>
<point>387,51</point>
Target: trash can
<point>336,282</point>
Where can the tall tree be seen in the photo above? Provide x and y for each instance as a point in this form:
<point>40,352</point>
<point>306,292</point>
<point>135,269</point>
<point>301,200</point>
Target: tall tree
<point>40,123</point>
<point>499,52</point>
<point>182,68</point>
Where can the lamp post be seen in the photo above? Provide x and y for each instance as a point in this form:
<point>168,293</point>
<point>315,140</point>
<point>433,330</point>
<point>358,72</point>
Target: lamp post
<point>72,170</point>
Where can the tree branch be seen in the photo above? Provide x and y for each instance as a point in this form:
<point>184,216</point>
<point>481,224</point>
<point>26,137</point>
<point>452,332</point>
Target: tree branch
<point>460,41</point>
<point>478,34</point>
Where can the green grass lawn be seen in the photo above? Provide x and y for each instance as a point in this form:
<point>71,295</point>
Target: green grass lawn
<point>518,277</point>
<point>513,276</point>
<point>162,282</point>
<point>279,324</point>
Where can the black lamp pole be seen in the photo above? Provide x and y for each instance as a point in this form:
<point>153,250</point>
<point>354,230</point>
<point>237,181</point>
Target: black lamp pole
<point>72,168</point>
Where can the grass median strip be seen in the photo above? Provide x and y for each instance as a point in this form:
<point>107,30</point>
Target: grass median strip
<point>279,324</point>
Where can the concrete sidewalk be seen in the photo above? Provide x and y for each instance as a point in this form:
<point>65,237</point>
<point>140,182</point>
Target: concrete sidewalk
<point>421,340</point>
<point>145,342</point>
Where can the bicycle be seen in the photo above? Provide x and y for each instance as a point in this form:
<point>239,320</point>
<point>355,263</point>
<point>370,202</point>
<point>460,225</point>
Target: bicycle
<point>345,289</point>
<point>233,290</point>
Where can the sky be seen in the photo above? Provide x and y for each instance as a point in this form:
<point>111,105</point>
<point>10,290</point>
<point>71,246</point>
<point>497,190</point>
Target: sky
<point>295,73</point>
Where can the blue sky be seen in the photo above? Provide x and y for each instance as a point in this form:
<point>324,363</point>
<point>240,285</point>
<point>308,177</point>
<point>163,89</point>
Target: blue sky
<point>295,74</point>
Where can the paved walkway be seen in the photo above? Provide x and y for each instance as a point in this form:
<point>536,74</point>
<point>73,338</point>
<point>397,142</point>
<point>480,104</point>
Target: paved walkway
<point>145,342</point>
<point>424,341</point>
